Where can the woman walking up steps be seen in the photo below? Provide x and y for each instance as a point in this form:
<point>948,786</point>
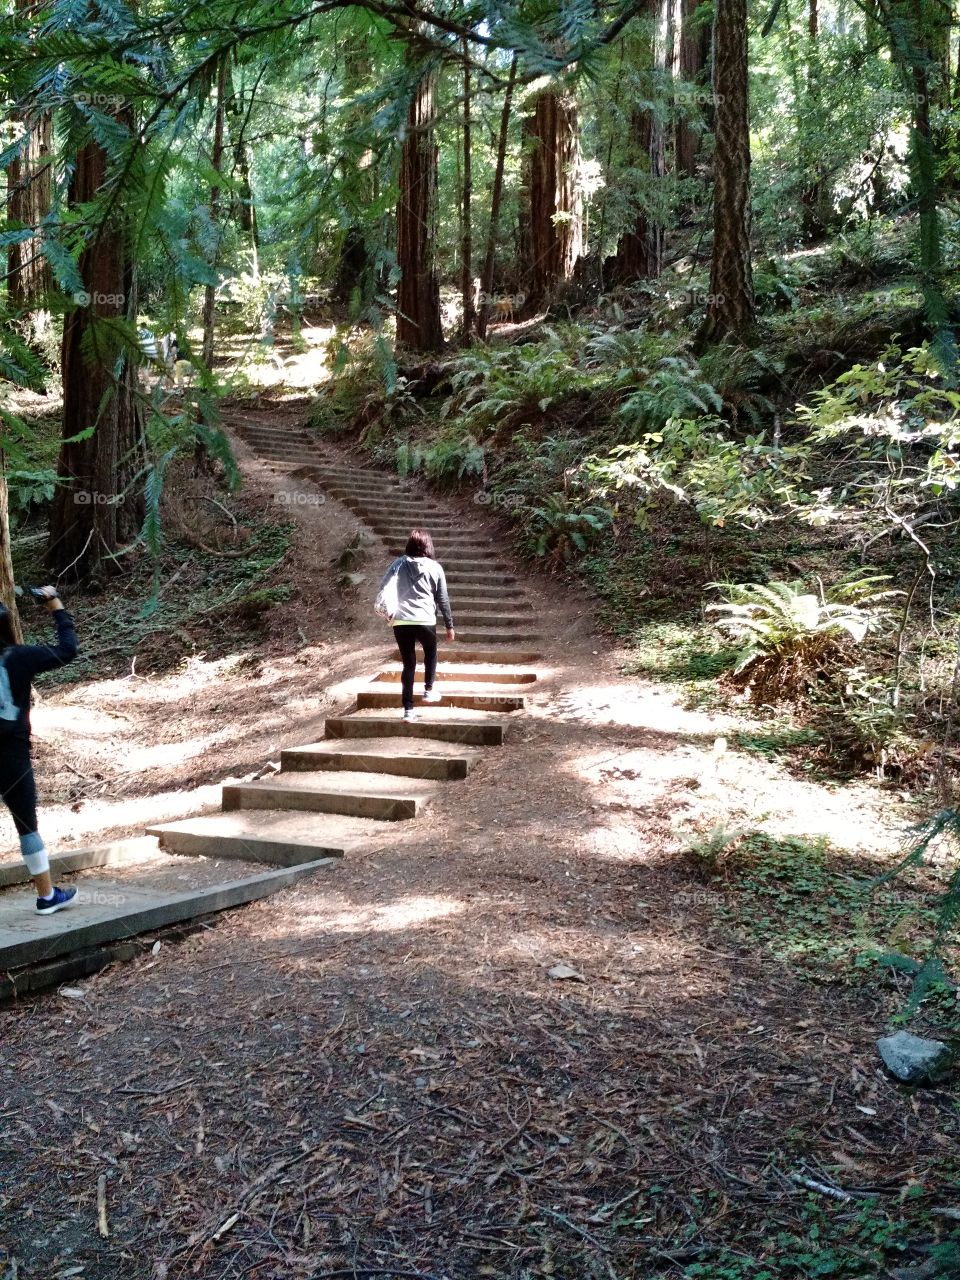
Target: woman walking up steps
<point>412,593</point>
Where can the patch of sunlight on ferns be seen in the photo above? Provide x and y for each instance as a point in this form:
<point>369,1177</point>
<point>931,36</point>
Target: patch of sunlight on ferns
<point>791,636</point>
<point>513,387</point>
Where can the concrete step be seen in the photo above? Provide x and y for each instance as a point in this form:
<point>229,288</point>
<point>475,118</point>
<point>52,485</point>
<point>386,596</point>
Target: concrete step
<point>467,728</point>
<point>284,839</point>
<point>108,910</point>
<point>452,695</point>
<point>462,562</point>
<point>399,528</point>
<point>358,795</point>
<point>442,538</point>
<point>463,674</point>
<point>408,757</point>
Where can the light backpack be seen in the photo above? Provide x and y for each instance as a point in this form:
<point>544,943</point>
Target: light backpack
<point>9,711</point>
<point>388,598</point>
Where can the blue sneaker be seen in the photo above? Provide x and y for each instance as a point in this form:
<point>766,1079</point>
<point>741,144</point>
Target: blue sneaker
<point>61,898</point>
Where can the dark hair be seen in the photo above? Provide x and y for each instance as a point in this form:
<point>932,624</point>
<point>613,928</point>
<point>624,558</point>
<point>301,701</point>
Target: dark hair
<point>419,544</point>
<point>6,628</point>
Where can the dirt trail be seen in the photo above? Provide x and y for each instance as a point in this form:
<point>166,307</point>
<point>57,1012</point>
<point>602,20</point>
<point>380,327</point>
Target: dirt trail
<point>377,1070</point>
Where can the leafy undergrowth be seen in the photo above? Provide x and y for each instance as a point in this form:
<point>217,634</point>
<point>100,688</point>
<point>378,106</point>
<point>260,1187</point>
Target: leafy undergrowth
<point>211,590</point>
<point>819,911</point>
<point>855,1240</point>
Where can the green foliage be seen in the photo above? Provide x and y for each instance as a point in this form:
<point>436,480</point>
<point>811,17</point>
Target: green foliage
<point>696,461</point>
<point>450,459</point>
<point>558,531</point>
<point>504,389</point>
<point>791,636</point>
<point>28,489</point>
<point>938,835</point>
<point>805,905</point>
<point>710,850</point>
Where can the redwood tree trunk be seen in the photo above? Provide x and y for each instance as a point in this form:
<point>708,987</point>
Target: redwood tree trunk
<point>244,204</point>
<point>216,161</point>
<point>29,178</point>
<point>29,190</point>
<point>7,594</point>
<point>693,59</point>
<point>731,306</point>
<point>486,280</point>
<point>95,511</point>
<point>640,251</point>
<point>418,293</point>
<point>466,246</point>
<point>555,229</point>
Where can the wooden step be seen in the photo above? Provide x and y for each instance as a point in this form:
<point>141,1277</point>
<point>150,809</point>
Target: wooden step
<point>356,794</point>
<point>406,756</point>
<point>463,674</point>
<point>283,839</point>
<point>483,731</point>
<point>450,697</point>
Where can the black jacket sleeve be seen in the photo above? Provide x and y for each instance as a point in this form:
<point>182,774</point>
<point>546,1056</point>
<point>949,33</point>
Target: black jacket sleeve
<point>31,659</point>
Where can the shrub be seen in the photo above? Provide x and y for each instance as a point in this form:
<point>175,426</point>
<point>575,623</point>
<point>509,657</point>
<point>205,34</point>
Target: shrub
<point>557,531</point>
<point>790,636</point>
<point>511,388</point>
<point>448,460</point>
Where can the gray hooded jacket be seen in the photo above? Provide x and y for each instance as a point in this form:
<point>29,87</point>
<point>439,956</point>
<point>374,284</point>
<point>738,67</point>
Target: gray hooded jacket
<point>421,590</point>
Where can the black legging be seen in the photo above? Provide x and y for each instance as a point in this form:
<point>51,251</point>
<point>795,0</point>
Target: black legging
<point>17,787</point>
<point>407,637</point>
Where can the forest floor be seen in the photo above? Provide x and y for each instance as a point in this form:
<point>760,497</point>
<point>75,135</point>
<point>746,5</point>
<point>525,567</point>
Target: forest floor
<point>374,1073</point>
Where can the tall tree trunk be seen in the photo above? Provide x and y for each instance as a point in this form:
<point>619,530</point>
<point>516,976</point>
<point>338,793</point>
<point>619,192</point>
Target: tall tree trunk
<point>640,252</point>
<point>693,60</point>
<point>95,511</point>
<point>246,209</point>
<point>29,191</point>
<point>418,293</point>
<point>466,246</point>
<point>486,280</point>
<point>813,220</point>
<point>210,290</point>
<point>30,185</point>
<point>7,593</point>
<point>216,161</point>
<point>919,32</point>
<point>730,309</point>
<point>555,230</point>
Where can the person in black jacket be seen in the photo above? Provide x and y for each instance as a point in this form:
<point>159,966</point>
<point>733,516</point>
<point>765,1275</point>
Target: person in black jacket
<point>19,663</point>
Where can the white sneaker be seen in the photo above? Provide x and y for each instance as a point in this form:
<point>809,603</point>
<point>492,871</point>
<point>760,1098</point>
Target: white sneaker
<point>431,695</point>
<point>409,715</point>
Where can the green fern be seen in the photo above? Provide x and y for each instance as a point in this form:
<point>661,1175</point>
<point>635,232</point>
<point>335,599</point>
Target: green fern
<point>790,636</point>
